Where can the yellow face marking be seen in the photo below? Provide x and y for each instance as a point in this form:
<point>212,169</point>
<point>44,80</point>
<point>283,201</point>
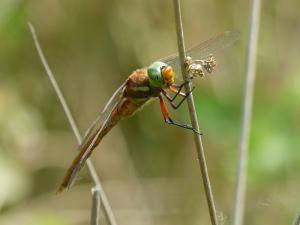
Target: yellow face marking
<point>168,75</point>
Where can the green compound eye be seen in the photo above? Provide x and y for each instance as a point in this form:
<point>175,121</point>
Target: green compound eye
<point>154,74</point>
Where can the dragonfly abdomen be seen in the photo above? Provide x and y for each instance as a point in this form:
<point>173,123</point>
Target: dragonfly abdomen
<point>125,108</point>
<point>136,92</point>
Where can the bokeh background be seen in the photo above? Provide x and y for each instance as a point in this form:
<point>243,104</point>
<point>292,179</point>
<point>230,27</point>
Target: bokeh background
<point>149,170</point>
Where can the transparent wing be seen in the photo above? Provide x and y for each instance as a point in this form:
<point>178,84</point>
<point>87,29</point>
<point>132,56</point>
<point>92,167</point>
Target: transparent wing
<point>101,118</point>
<point>211,46</point>
<point>90,138</point>
<point>206,48</point>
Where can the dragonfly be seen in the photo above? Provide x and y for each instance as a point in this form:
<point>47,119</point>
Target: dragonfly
<point>155,81</point>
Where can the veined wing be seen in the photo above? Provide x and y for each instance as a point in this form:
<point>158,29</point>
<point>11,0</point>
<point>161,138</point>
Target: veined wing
<point>104,114</point>
<point>206,48</point>
<point>90,139</point>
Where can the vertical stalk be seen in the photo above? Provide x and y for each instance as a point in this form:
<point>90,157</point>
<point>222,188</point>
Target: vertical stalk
<point>246,118</point>
<point>96,206</point>
<point>193,116</point>
<point>91,168</point>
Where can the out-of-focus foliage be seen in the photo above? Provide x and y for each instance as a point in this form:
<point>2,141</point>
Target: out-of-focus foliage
<point>149,170</point>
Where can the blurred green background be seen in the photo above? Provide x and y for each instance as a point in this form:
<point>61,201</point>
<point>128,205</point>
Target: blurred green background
<point>149,170</point>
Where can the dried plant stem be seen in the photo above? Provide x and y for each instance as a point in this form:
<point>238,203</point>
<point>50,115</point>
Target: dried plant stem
<point>193,116</point>
<point>297,219</point>
<point>246,118</point>
<point>91,168</point>
<point>96,206</point>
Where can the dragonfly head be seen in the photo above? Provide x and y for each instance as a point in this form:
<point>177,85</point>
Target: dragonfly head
<point>167,73</point>
<point>160,74</point>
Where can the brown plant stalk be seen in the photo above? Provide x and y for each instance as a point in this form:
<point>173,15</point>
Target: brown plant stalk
<point>193,116</point>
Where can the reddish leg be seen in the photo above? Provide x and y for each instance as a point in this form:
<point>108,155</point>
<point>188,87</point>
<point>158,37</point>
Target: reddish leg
<point>170,99</point>
<point>168,120</point>
<point>177,89</point>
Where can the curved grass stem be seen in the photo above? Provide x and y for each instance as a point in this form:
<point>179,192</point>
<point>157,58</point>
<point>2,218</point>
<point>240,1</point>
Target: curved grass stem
<point>98,186</point>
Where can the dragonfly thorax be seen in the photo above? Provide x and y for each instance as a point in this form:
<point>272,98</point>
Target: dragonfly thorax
<point>160,74</point>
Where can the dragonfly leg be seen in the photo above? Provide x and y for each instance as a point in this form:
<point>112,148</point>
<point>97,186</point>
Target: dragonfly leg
<point>185,95</point>
<point>168,119</point>
<point>177,90</point>
<point>181,85</point>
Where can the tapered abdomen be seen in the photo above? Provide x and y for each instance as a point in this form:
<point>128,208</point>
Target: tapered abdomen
<point>125,108</point>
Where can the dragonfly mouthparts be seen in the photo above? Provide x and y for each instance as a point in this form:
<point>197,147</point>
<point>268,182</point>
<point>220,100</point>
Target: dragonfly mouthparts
<point>198,67</point>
